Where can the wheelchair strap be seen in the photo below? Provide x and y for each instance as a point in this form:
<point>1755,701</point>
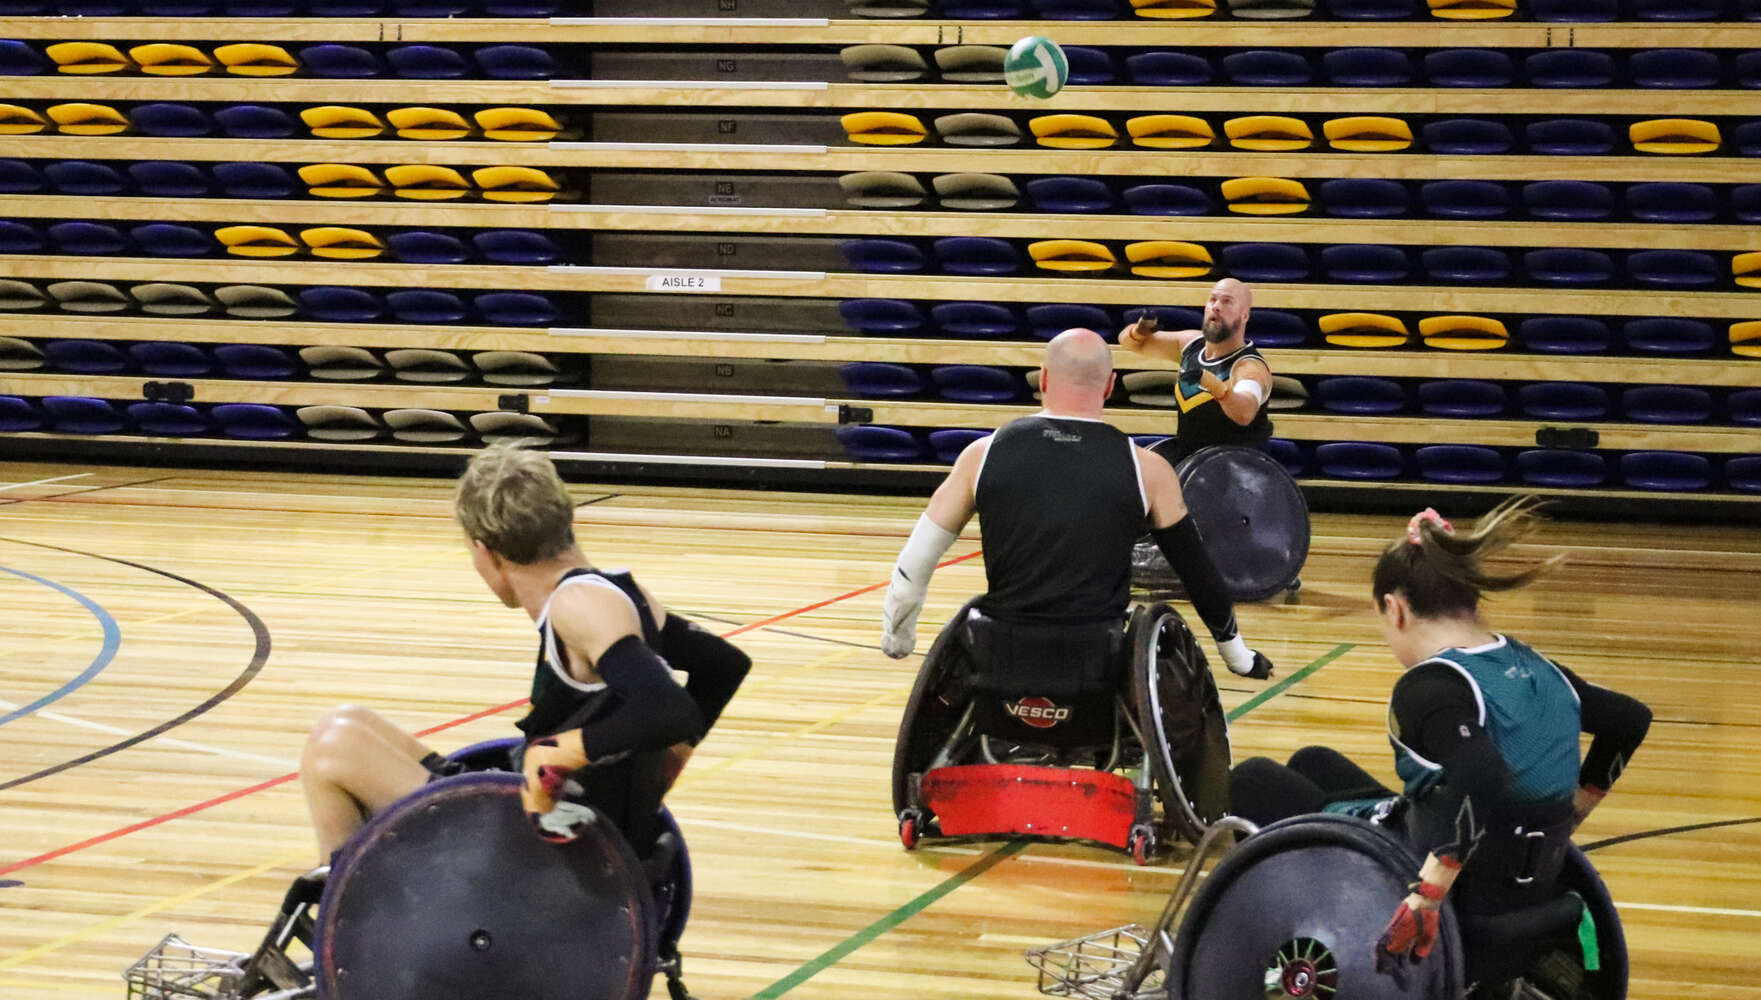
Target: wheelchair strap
<point>1587,936</point>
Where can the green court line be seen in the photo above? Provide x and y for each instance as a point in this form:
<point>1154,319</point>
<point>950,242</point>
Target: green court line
<point>838,952</point>
<point>1279,688</point>
<point>843,948</point>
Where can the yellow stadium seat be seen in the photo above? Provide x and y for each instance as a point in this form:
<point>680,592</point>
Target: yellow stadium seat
<point>427,182</point>
<point>518,124</point>
<point>1464,333</point>
<point>341,180</point>
<point>1170,132</point>
<point>1675,136</point>
<point>1746,269</point>
<point>1173,8</point>
<point>1071,255</point>
<point>16,120</point>
<point>257,59</point>
<point>1073,131</point>
<point>332,121</point>
<point>1363,330</point>
<point>1368,134</point>
<point>1168,259</point>
<point>1268,133</point>
<point>88,119</point>
<point>516,184</point>
<point>1265,195</point>
<point>257,241</point>
<point>88,57</point>
<point>884,128</point>
<point>428,124</point>
<point>1472,10</point>
<point>1745,338</point>
<point>171,59</point>
<point>342,243</point>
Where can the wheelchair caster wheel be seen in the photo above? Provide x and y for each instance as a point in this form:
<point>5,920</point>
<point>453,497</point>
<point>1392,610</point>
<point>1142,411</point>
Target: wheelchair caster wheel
<point>1143,846</point>
<point>910,827</point>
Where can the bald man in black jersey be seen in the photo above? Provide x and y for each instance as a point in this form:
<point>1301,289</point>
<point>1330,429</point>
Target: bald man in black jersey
<point>1062,495</point>
<point>1225,383</point>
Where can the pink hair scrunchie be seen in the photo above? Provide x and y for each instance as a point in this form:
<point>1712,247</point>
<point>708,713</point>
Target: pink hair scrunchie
<point>1413,534</point>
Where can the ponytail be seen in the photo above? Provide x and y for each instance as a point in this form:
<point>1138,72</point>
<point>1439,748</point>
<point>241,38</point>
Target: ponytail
<point>1442,572</point>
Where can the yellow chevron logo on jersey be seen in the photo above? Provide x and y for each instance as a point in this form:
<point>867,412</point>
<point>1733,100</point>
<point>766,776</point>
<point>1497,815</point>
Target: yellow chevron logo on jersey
<point>1190,397</point>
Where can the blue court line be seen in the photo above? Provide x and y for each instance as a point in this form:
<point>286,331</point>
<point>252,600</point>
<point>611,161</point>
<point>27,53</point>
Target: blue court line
<point>112,640</point>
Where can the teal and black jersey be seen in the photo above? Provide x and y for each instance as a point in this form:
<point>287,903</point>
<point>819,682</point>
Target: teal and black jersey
<point>1525,704</point>
<point>1202,420</point>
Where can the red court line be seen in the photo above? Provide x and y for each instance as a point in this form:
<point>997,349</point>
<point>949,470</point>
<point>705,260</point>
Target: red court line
<point>474,716</point>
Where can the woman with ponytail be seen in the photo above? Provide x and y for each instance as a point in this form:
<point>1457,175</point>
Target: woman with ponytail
<point>1484,730</point>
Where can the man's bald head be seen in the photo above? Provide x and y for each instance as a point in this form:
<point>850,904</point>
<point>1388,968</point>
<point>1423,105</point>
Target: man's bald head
<point>1227,309</point>
<point>1079,358</point>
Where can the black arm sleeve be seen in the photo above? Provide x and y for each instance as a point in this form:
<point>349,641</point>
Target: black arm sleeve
<point>1437,718</point>
<point>1617,725</point>
<point>714,667</point>
<point>1205,588</point>
<point>651,711</point>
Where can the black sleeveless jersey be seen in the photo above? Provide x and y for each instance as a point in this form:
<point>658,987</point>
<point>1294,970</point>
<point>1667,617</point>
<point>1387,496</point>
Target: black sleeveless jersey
<point>1060,502</point>
<point>559,701</point>
<point>1202,420</point>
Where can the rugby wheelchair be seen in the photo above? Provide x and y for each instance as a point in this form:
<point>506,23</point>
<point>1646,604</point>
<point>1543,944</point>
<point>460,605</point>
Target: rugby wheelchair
<point>1295,911</point>
<point>1111,732</point>
<point>449,893</point>
<point>1250,512</point>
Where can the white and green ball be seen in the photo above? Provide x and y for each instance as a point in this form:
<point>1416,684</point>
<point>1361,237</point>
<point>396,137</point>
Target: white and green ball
<point>1035,67</point>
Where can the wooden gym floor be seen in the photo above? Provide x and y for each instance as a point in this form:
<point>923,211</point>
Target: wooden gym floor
<point>219,612</point>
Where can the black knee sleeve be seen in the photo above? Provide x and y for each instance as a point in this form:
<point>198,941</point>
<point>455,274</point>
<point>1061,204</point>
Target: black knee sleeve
<point>1264,791</point>
<point>1185,550</point>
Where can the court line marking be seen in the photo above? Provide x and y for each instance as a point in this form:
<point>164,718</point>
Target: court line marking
<point>44,482</point>
<point>1714,911</point>
<point>1665,831</point>
<point>99,928</point>
<point>259,658</point>
<point>169,741</point>
<point>106,652</point>
<point>838,952</point>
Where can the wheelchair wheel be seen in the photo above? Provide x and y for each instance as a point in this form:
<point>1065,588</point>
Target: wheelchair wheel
<point>1557,967</point>
<point>931,715</point>
<point>1295,911</point>
<point>1179,713</point>
<point>672,891</point>
<point>418,905</point>
<point>1247,507</point>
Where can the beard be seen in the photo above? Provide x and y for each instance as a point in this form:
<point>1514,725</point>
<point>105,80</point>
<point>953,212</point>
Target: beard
<point>1216,331</point>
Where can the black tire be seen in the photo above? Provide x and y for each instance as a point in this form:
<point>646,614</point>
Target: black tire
<point>1321,884</point>
<point>1252,516</point>
<point>932,711</point>
<point>388,929</point>
<point>1175,701</point>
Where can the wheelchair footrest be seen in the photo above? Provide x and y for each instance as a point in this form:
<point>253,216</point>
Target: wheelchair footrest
<point>1074,803</point>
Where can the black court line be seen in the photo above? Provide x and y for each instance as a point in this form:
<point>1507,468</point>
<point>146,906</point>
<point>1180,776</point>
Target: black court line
<point>80,492</point>
<point>787,632</point>
<point>589,503</point>
<point>1666,831</point>
<point>259,656</point>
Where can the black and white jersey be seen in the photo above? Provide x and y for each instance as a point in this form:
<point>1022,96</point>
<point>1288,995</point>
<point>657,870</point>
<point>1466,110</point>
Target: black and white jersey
<point>1060,503</point>
<point>557,696</point>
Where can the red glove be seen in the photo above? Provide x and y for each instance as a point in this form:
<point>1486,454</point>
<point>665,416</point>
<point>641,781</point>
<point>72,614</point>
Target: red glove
<point>1412,932</point>
<point>549,762</point>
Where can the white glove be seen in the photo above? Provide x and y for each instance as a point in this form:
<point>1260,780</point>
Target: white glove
<point>899,616</point>
<point>910,583</point>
